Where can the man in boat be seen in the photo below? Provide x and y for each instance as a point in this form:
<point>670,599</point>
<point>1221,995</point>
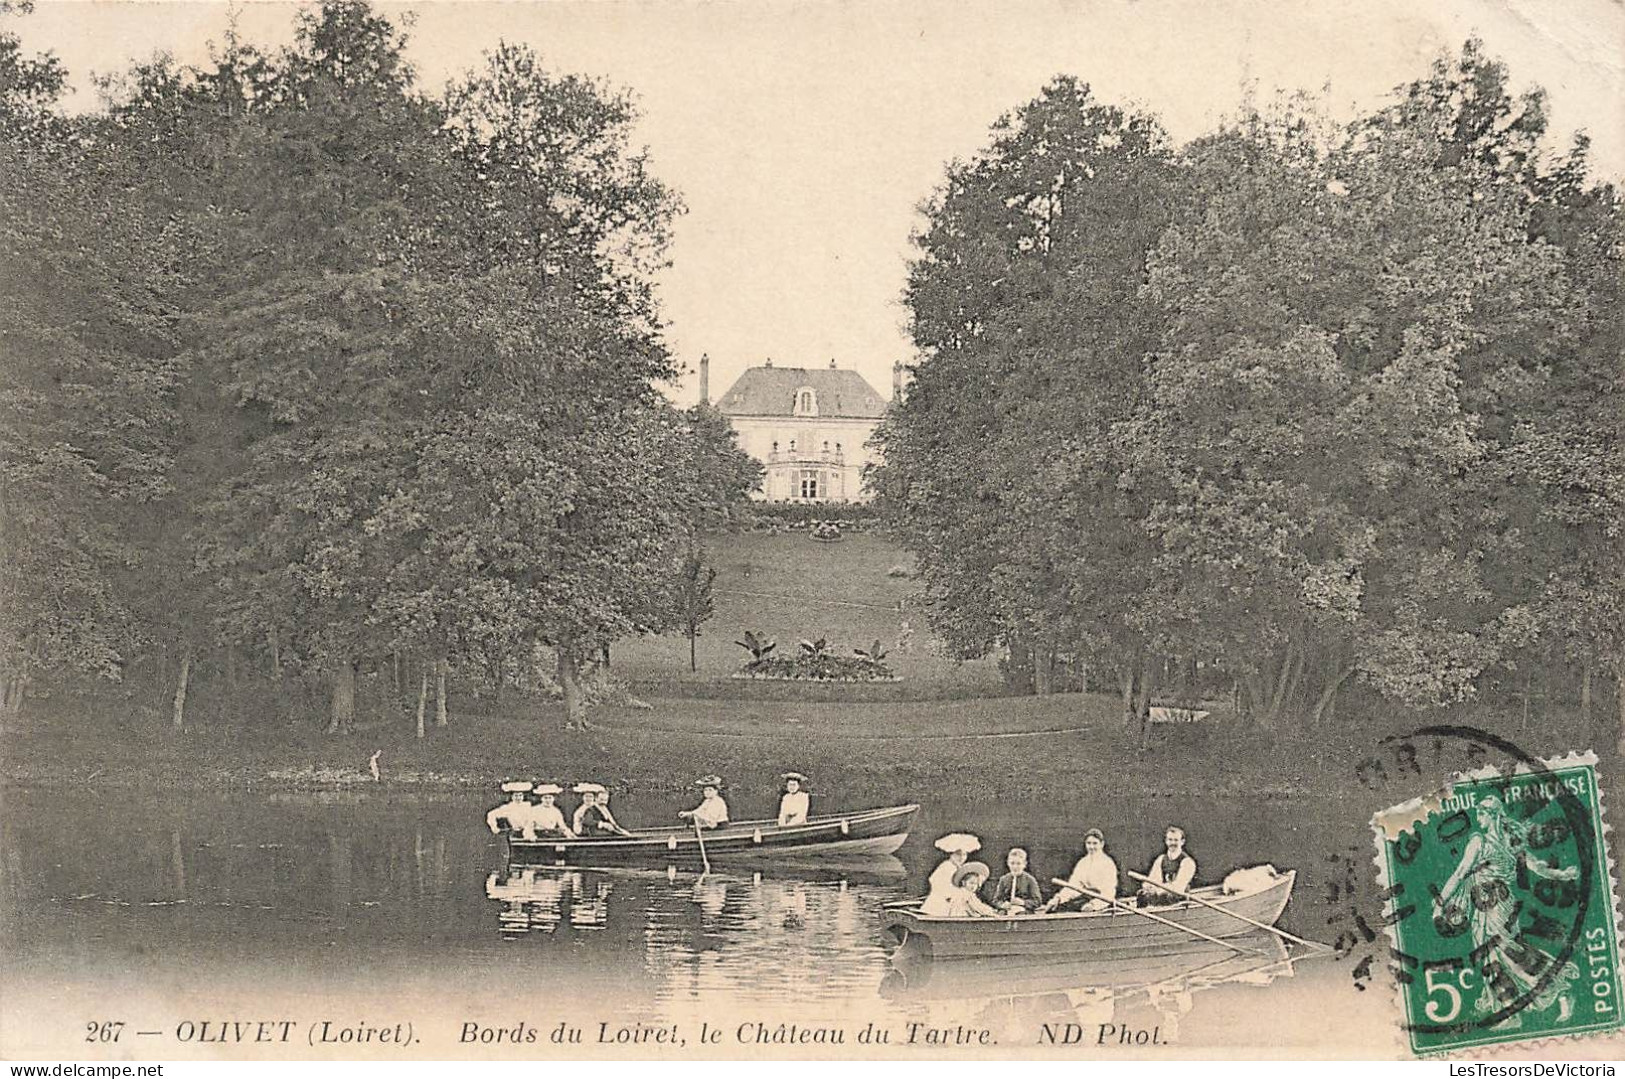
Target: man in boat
<point>712,812</point>
<point>793,806</point>
<point>958,846</point>
<point>592,817</point>
<point>1174,867</point>
<point>546,819</point>
<point>1017,892</point>
<point>1095,871</point>
<point>515,812</point>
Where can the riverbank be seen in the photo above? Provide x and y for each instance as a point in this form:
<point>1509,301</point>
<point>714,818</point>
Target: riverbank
<point>989,749</point>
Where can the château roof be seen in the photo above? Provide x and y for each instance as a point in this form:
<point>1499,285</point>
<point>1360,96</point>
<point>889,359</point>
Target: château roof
<point>771,391</point>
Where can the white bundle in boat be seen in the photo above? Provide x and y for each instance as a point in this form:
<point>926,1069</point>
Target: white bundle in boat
<point>1252,879</point>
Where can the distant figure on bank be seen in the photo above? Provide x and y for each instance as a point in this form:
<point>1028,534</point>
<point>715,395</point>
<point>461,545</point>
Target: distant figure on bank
<point>958,846</point>
<point>546,819</point>
<point>712,812</point>
<point>592,816</point>
<point>1174,867</point>
<point>1017,892</point>
<point>963,900</point>
<point>515,812</point>
<point>1095,871</point>
<point>793,806</point>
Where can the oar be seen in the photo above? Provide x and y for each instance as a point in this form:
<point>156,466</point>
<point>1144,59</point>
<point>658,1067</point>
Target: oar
<point>1156,918</point>
<point>698,835</point>
<point>1282,933</point>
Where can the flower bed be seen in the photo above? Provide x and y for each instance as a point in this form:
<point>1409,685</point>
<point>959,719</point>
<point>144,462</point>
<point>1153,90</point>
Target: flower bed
<point>820,667</point>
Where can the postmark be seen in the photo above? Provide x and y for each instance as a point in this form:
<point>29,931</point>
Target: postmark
<point>1501,915</point>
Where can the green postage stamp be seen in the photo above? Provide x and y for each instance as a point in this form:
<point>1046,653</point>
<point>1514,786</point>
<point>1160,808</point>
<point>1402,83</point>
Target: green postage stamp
<point>1500,908</point>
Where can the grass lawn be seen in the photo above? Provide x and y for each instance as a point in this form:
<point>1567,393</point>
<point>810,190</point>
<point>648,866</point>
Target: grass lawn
<point>790,587</point>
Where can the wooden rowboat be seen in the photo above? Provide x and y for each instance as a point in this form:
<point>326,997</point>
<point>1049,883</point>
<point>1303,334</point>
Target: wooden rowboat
<point>865,833</point>
<point>1105,934</point>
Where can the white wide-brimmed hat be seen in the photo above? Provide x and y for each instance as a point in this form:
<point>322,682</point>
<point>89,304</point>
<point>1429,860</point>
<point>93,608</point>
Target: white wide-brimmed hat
<point>516,786</point>
<point>797,776</point>
<point>549,788</point>
<point>957,843</point>
<point>589,788</point>
<point>708,781</point>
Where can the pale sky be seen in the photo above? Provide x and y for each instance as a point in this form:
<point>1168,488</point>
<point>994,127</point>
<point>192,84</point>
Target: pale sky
<point>803,135</point>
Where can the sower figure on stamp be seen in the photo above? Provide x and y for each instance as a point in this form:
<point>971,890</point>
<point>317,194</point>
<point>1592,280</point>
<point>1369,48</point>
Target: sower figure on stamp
<point>1481,890</point>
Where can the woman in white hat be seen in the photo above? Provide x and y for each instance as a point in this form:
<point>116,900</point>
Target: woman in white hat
<point>712,812</point>
<point>793,806</point>
<point>513,813</point>
<point>958,846</point>
<point>545,816</point>
<point>963,898</point>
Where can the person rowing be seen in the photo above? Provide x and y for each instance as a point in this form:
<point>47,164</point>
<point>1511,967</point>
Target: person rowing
<point>1095,872</point>
<point>793,806</point>
<point>546,819</point>
<point>958,846</point>
<point>592,816</point>
<point>712,812</point>
<point>1017,892</point>
<point>1174,867</point>
<point>515,812</point>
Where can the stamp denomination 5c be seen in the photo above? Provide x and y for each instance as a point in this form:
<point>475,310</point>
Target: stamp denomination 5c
<point>1501,908</point>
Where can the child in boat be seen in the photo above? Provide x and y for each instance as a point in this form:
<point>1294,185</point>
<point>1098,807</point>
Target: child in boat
<point>712,812</point>
<point>1174,867</point>
<point>592,817</point>
<point>963,900</point>
<point>1017,892</point>
<point>793,806</point>
<point>546,819</point>
<point>513,813</point>
<point>958,846</point>
<point>1096,871</point>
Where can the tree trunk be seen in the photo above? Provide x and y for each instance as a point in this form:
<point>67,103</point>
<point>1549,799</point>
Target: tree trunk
<point>440,665</point>
<point>395,667</point>
<point>1043,667</point>
<point>274,641</point>
<point>693,662</point>
<point>1274,709</point>
<point>1329,694</point>
<point>179,720</point>
<point>1125,683</point>
<point>1142,702</point>
<point>342,712</point>
<point>16,693</point>
<point>575,709</point>
<point>1585,692</point>
<point>604,656</point>
<point>423,699</point>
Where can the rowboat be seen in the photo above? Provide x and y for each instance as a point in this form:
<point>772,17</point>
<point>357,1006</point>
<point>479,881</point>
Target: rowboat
<point>1106,934</point>
<point>865,833</point>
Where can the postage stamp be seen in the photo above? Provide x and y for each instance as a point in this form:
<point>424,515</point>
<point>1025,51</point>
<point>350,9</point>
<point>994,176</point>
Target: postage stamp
<point>1501,913</point>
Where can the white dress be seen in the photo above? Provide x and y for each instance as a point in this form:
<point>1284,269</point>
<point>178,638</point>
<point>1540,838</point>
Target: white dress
<point>712,812</point>
<point>939,899</point>
<point>793,808</point>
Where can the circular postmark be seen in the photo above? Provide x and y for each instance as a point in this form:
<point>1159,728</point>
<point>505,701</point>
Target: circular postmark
<point>1490,887</point>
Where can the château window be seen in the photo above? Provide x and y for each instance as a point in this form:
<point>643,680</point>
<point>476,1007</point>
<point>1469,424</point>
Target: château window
<point>809,485</point>
<point>806,402</point>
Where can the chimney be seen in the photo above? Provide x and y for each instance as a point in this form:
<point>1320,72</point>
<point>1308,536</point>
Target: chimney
<point>705,379</point>
<point>832,363</point>
<point>897,380</point>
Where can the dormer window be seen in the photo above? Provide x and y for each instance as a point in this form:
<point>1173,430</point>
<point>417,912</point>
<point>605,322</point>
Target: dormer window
<point>806,401</point>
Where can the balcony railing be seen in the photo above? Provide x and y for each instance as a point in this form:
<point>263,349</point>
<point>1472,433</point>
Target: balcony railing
<point>806,457</point>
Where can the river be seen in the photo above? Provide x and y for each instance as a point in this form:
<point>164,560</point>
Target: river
<point>366,910</point>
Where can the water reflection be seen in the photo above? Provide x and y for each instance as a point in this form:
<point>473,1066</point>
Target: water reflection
<point>1125,1001</point>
